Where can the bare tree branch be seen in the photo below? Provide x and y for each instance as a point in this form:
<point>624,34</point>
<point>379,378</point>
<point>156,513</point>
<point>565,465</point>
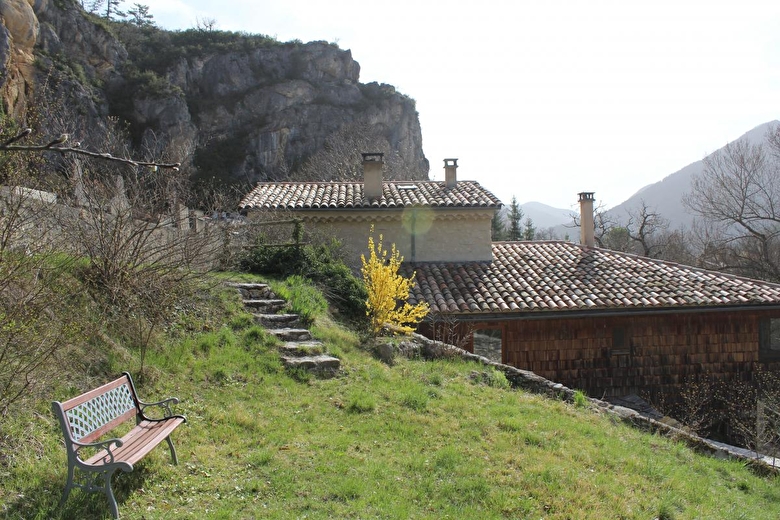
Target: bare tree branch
<point>57,145</point>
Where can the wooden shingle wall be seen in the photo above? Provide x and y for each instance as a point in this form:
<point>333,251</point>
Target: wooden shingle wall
<point>644,355</point>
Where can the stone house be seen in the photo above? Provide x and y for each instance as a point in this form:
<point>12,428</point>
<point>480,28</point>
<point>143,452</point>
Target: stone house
<point>427,221</point>
<point>606,322</point>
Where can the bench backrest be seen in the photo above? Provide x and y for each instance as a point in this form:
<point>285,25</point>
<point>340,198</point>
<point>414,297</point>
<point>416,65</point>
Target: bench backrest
<point>98,411</point>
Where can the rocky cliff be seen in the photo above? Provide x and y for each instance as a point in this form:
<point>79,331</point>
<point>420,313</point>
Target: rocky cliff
<point>231,106</point>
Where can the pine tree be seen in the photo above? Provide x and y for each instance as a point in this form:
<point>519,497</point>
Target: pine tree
<point>140,16</point>
<point>529,231</point>
<point>112,9</point>
<point>515,217</point>
<point>497,228</point>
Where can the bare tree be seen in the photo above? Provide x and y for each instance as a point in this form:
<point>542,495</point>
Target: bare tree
<point>603,224</point>
<point>206,24</point>
<point>143,249</point>
<point>32,333</point>
<point>752,411</point>
<point>340,158</point>
<point>645,232</point>
<point>737,197</point>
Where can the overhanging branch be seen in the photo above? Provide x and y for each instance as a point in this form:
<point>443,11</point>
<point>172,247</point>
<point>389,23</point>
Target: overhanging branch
<point>58,146</point>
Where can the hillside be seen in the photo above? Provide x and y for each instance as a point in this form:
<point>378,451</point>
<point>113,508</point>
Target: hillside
<point>230,106</point>
<point>408,439</point>
<point>666,195</point>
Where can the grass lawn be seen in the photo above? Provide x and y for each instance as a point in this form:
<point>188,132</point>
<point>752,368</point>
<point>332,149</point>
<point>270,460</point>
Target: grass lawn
<point>414,440</point>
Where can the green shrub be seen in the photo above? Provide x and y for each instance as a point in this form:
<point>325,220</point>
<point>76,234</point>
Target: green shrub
<point>580,399</point>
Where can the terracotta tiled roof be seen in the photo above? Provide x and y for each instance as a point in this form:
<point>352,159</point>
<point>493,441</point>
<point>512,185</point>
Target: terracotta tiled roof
<point>538,277</point>
<point>343,195</point>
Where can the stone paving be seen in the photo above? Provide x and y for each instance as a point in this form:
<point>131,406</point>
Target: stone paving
<point>299,350</point>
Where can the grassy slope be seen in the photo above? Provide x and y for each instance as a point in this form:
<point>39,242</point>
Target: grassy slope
<point>415,440</point>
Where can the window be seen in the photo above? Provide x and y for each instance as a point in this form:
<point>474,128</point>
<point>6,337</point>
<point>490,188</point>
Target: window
<point>769,339</point>
<point>618,338</point>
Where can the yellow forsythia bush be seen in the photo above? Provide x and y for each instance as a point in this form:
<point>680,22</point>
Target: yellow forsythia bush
<point>388,291</point>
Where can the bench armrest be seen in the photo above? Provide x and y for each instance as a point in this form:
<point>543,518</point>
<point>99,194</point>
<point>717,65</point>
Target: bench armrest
<point>165,404</point>
<point>101,445</point>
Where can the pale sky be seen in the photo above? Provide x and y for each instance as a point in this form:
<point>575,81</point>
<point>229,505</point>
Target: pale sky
<point>543,99</point>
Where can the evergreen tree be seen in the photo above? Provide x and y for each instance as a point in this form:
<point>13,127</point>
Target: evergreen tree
<point>497,228</point>
<point>529,231</point>
<point>112,9</point>
<point>140,16</point>
<point>515,217</point>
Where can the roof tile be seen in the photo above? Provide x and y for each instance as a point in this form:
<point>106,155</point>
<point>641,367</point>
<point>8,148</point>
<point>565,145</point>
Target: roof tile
<point>337,195</point>
<point>534,277</point>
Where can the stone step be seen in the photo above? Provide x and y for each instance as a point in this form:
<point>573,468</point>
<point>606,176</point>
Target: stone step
<point>302,348</point>
<point>291,334</point>
<point>253,291</point>
<point>325,366</point>
<point>265,306</point>
<point>276,321</point>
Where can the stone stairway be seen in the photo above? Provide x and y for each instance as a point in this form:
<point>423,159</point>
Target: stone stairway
<point>299,350</point>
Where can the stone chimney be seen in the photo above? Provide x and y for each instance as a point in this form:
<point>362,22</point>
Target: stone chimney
<point>450,172</point>
<point>372,175</point>
<point>587,226</point>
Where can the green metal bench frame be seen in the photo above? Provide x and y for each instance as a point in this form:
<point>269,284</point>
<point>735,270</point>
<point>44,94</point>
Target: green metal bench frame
<point>84,419</point>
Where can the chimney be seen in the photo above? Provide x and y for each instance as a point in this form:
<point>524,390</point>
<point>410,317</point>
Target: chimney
<point>450,172</point>
<point>372,175</point>
<point>587,226</point>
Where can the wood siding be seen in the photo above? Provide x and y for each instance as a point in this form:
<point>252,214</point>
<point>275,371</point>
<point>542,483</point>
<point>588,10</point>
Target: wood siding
<point>653,355</point>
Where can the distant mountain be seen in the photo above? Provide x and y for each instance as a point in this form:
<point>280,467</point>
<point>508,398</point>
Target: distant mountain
<point>665,196</point>
<point>545,216</point>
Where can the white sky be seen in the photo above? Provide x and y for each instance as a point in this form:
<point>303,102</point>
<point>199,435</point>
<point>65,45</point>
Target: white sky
<point>543,99</point>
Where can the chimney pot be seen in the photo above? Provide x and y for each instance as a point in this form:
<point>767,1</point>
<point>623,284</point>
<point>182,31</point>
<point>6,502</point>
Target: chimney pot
<point>587,225</point>
<point>372,174</point>
<point>450,172</point>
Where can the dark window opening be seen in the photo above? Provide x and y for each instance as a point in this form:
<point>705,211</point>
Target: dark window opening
<point>618,338</point>
<point>769,338</point>
<point>488,343</point>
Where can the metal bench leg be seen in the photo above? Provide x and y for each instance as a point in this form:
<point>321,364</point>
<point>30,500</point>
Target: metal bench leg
<point>68,485</point>
<point>110,494</point>
<point>173,450</point>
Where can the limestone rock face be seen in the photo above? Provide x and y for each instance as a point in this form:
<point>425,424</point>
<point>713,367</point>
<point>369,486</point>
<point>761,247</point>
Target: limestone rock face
<point>21,23</point>
<point>249,112</point>
<point>18,36</point>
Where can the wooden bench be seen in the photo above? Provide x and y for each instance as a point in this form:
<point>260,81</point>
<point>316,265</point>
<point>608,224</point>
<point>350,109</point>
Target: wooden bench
<point>86,418</point>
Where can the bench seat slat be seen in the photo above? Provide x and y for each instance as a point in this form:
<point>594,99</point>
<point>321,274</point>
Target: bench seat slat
<point>139,441</point>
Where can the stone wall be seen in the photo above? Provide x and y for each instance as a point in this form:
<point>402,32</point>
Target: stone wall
<point>33,221</point>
